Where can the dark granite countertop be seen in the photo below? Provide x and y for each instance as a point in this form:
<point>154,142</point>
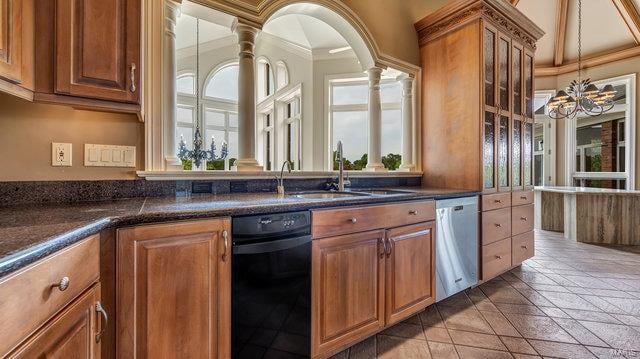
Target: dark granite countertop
<point>31,232</point>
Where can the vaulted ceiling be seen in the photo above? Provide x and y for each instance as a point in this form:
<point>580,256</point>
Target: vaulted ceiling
<point>610,31</point>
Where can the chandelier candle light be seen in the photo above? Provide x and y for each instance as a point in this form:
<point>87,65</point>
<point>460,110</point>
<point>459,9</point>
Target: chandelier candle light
<point>581,95</point>
<point>199,154</point>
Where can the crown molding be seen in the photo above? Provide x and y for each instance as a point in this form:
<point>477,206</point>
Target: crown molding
<point>592,61</point>
<point>285,45</point>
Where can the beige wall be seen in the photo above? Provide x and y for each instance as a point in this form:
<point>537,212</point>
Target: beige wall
<point>619,68</point>
<point>27,130</point>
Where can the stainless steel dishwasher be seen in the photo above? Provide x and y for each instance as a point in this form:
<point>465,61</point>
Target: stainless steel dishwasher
<point>456,245</point>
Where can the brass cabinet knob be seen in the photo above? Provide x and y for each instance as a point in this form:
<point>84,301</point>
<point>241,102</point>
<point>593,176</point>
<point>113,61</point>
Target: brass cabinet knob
<point>63,284</point>
<point>498,201</point>
<point>413,213</point>
<point>353,220</point>
<point>498,257</point>
<point>523,197</point>
<point>523,219</point>
<point>498,225</point>
<point>524,247</point>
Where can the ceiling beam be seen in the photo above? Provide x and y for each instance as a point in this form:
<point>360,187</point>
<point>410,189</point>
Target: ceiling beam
<point>514,2</point>
<point>561,31</point>
<point>630,15</point>
<point>596,60</point>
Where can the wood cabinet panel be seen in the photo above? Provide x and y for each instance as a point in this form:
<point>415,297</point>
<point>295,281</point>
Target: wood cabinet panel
<point>337,221</point>
<point>496,201</point>
<point>10,40</point>
<point>521,198</point>
<point>522,219</point>
<point>410,271</point>
<point>496,258</point>
<point>522,248</point>
<point>347,290</point>
<point>174,285</point>
<point>71,334</point>
<point>97,51</point>
<point>496,225</point>
<point>34,298</point>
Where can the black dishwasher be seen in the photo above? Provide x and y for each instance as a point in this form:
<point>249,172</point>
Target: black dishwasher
<point>271,286</point>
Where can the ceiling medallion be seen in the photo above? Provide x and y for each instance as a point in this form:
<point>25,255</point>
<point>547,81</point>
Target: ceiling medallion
<point>581,96</point>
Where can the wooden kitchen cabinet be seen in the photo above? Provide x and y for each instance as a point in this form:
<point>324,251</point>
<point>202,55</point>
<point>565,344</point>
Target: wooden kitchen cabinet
<point>74,333</point>
<point>410,273</point>
<point>174,290</point>
<point>478,86</point>
<point>16,47</point>
<point>97,49</point>
<point>347,291</point>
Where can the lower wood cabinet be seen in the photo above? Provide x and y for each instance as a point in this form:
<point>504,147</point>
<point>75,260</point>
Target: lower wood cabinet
<point>174,290</point>
<point>74,333</point>
<point>365,281</point>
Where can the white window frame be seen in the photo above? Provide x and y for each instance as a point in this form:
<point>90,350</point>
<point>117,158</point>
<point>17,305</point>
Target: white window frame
<point>353,79</point>
<point>284,98</point>
<point>187,73</point>
<point>549,140</point>
<point>570,138</point>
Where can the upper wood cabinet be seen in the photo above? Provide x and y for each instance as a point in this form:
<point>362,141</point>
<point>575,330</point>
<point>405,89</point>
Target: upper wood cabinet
<point>16,47</point>
<point>174,290</point>
<point>97,49</point>
<point>477,59</point>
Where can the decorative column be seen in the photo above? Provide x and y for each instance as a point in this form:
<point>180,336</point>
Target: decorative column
<point>407,123</point>
<point>169,96</point>
<point>246,101</point>
<point>375,122</point>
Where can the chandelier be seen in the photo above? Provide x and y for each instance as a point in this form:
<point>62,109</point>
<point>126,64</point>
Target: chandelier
<point>581,96</point>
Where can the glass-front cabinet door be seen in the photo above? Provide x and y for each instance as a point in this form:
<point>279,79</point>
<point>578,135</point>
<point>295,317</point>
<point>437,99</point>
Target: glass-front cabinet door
<point>527,154</point>
<point>489,152</point>
<point>504,78</point>
<point>489,52</point>
<point>516,154</point>
<point>503,153</point>
<point>528,85</point>
<point>517,80</point>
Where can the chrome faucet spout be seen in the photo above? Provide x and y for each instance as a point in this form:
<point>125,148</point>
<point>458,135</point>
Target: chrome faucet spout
<point>280,181</point>
<point>340,155</point>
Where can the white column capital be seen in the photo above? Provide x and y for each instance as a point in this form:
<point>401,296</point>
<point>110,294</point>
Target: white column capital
<point>171,13</point>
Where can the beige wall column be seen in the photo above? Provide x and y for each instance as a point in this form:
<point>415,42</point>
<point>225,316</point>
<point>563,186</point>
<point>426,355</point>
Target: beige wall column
<point>407,124</point>
<point>374,152</point>
<point>169,95</point>
<point>246,101</point>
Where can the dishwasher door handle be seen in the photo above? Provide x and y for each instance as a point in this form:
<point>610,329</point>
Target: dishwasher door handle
<point>271,246</point>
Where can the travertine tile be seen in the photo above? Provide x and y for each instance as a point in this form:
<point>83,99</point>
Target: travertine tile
<point>518,345</point>
<point>479,353</point>
<point>535,327</point>
<point>404,330</point>
<point>364,350</point>
<point>436,334</point>
<point>443,351</point>
<point>568,300</point>
<point>500,324</point>
<point>468,319</point>
<point>561,350</point>
<point>579,332</point>
<point>480,340</point>
<point>616,335</point>
<point>393,348</point>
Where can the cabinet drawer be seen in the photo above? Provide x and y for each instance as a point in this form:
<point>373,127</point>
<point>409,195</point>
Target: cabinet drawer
<point>522,248</point>
<point>496,258</point>
<point>496,225</point>
<point>337,221</point>
<point>521,197</point>
<point>496,201</point>
<point>29,297</point>
<point>522,219</point>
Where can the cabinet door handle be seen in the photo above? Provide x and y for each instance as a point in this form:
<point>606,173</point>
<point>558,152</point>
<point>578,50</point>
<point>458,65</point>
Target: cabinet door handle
<point>497,201</point>
<point>353,220</point>
<point>524,247</point>
<point>63,284</point>
<point>225,237</point>
<point>498,225</point>
<point>524,219</point>
<point>389,247</point>
<point>105,319</point>
<point>132,87</point>
<point>523,197</point>
<point>413,212</point>
<point>498,257</point>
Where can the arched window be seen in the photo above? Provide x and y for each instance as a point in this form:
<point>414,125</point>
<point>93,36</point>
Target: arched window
<point>186,84</point>
<point>223,83</point>
<point>265,84</point>
<point>282,75</point>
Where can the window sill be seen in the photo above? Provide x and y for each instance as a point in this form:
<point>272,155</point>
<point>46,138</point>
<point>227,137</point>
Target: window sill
<point>217,175</point>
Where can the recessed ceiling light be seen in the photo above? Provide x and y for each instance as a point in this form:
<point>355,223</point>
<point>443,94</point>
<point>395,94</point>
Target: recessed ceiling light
<point>339,49</point>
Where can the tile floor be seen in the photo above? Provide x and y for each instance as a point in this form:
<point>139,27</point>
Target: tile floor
<point>572,300</point>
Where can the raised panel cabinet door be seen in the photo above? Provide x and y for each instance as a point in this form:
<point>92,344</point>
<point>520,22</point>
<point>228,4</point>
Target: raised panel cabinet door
<point>347,290</point>
<point>71,334</point>
<point>97,49</point>
<point>11,40</point>
<point>174,290</point>
<point>410,269</point>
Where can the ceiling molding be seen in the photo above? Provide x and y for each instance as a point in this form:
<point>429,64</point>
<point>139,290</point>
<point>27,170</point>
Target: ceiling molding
<point>561,31</point>
<point>630,15</point>
<point>596,60</point>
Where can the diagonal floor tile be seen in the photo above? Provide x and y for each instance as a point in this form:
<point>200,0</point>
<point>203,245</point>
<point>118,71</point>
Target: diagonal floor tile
<point>579,332</point>
<point>465,319</point>
<point>561,350</point>
<point>479,353</point>
<point>543,328</point>
<point>443,351</point>
<point>518,345</point>
<point>393,348</point>
<point>568,300</point>
<point>500,324</point>
<point>487,341</point>
<point>616,335</point>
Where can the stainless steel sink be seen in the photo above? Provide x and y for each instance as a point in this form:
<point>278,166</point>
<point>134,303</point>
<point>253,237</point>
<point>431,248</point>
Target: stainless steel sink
<point>380,192</point>
<point>328,195</point>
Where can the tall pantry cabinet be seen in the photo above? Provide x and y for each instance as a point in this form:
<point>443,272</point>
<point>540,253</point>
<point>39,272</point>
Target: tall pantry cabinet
<point>478,84</point>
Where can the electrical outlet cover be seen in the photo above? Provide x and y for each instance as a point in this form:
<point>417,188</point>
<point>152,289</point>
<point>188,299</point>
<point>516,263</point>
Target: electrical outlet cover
<point>61,154</point>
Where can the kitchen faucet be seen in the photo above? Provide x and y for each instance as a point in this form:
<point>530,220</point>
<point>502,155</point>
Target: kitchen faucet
<point>341,181</point>
<point>280,180</point>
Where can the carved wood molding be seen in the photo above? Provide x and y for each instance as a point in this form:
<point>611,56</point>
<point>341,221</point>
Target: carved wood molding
<point>600,59</point>
<point>509,26</point>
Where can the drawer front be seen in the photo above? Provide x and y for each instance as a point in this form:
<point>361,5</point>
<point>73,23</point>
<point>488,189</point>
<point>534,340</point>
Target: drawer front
<point>496,201</point>
<point>338,221</point>
<point>522,219</point>
<point>29,297</point>
<point>521,198</point>
<point>496,258</point>
<point>496,225</point>
<point>522,248</point>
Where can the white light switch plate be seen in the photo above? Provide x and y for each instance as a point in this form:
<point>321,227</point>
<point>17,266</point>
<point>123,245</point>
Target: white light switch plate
<point>61,154</point>
<point>109,156</point>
